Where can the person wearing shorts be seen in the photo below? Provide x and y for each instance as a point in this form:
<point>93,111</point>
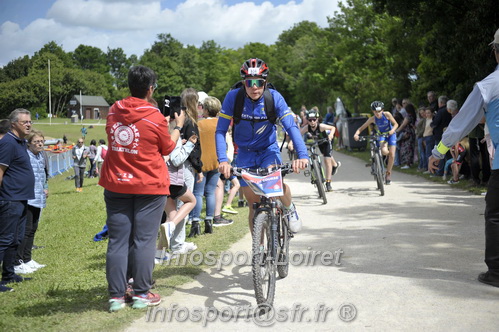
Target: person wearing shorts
<point>385,124</point>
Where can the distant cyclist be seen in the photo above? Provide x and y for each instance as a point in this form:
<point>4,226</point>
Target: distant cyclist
<point>319,130</point>
<point>385,124</point>
<point>255,135</point>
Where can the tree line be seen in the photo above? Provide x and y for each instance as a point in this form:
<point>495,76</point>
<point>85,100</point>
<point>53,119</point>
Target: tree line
<point>370,50</point>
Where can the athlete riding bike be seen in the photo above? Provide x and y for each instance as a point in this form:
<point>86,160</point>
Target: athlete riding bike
<point>318,130</point>
<point>385,124</point>
<point>255,134</point>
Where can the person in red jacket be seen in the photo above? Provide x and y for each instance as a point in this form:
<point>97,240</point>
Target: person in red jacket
<point>136,183</point>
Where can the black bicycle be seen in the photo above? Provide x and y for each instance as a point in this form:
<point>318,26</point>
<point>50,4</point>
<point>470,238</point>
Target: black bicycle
<point>271,234</point>
<point>377,164</point>
<point>316,171</point>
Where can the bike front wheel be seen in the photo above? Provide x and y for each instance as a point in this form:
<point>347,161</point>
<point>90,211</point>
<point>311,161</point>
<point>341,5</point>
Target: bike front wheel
<point>379,174</point>
<point>283,249</point>
<point>317,170</point>
<point>263,264</point>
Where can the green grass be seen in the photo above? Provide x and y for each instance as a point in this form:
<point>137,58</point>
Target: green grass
<point>70,293</point>
<point>60,126</point>
<point>463,184</point>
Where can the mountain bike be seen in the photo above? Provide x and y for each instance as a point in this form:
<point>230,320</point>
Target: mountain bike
<point>377,164</point>
<point>271,234</point>
<point>316,171</point>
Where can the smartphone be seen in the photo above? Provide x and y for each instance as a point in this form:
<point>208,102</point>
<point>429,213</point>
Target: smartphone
<point>172,106</point>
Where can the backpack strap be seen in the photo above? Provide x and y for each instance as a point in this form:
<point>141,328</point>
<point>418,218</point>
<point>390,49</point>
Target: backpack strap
<point>268,104</point>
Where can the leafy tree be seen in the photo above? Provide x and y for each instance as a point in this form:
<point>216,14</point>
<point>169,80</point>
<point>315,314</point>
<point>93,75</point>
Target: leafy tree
<point>91,58</point>
<point>15,69</point>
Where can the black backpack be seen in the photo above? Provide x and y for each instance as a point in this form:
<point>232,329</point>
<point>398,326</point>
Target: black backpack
<point>239,103</point>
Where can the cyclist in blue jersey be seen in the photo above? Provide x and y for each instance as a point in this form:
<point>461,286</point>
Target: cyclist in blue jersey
<point>385,124</point>
<point>256,136</point>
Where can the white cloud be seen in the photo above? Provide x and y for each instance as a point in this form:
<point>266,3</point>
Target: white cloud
<point>134,25</point>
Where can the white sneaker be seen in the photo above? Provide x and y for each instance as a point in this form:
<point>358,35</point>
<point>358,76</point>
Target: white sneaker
<point>405,167</point>
<point>190,245</point>
<point>185,249</point>
<point>23,269</point>
<point>34,265</point>
<point>160,257</point>
<point>294,220</point>
<point>168,228</point>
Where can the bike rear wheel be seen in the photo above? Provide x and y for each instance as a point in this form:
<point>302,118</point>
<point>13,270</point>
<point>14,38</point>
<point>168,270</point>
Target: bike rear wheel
<point>283,249</point>
<point>379,174</point>
<point>263,264</point>
<point>319,183</point>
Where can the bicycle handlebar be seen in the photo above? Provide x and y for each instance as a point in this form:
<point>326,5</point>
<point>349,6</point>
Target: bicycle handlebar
<point>318,141</point>
<point>285,169</point>
<point>372,137</point>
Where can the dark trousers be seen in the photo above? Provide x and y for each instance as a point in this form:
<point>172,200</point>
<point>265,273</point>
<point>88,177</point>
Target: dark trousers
<point>133,224</point>
<point>479,153</point>
<point>492,224</point>
<point>91,171</point>
<point>12,224</point>
<point>79,175</point>
<point>24,249</point>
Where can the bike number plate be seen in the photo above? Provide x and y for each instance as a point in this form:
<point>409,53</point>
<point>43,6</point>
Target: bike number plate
<point>268,185</point>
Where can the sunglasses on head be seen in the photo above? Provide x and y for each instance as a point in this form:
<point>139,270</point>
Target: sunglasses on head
<point>258,82</point>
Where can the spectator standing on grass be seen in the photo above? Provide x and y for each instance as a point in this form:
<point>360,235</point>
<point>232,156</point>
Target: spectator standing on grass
<point>84,132</point>
<point>482,101</point>
<point>17,183</point>
<point>441,121</point>
<point>100,155</point>
<point>136,184</point>
<point>4,127</point>
<point>432,101</point>
<point>24,262</point>
<point>91,157</point>
<point>79,153</point>
<point>479,155</point>
<point>211,180</point>
<point>178,191</point>
<point>428,140</point>
<point>407,137</point>
<point>420,127</point>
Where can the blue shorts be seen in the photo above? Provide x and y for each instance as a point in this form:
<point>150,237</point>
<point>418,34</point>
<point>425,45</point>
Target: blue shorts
<point>392,140</point>
<point>258,159</point>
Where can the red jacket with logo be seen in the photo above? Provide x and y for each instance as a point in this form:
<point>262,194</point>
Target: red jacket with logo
<point>138,139</point>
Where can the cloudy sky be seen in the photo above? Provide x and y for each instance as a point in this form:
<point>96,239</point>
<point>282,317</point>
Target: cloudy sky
<point>27,25</point>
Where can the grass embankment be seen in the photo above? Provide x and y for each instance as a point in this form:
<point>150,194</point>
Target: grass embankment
<point>70,293</point>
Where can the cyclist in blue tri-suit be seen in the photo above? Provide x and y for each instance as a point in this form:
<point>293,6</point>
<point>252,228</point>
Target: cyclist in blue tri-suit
<point>256,136</point>
<point>385,124</point>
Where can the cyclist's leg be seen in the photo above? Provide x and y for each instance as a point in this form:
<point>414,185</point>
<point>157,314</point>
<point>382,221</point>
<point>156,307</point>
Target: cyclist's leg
<point>251,198</point>
<point>328,163</point>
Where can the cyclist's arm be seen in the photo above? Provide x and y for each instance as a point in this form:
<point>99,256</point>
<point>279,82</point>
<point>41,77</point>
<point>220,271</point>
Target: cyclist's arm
<point>394,123</point>
<point>332,129</point>
<point>468,118</point>
<point>364,126</point>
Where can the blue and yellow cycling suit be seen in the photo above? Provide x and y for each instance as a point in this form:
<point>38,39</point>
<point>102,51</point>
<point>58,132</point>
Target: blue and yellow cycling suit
<point>384,126</point>
<point>254,135</point>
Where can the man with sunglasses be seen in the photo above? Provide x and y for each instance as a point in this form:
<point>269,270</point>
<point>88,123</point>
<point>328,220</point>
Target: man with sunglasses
<point>256,136</point>
<point>386,124</point>
<point>482,101</point>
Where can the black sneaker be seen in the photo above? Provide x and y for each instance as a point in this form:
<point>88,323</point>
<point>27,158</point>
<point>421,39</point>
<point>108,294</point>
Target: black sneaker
<point>486,278</point>
<point>241,204</point>
<point>328,186</point>
<point>5,289</point>
<point>16,278</point>
<point>219,221</point>
<point>335,168</point>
